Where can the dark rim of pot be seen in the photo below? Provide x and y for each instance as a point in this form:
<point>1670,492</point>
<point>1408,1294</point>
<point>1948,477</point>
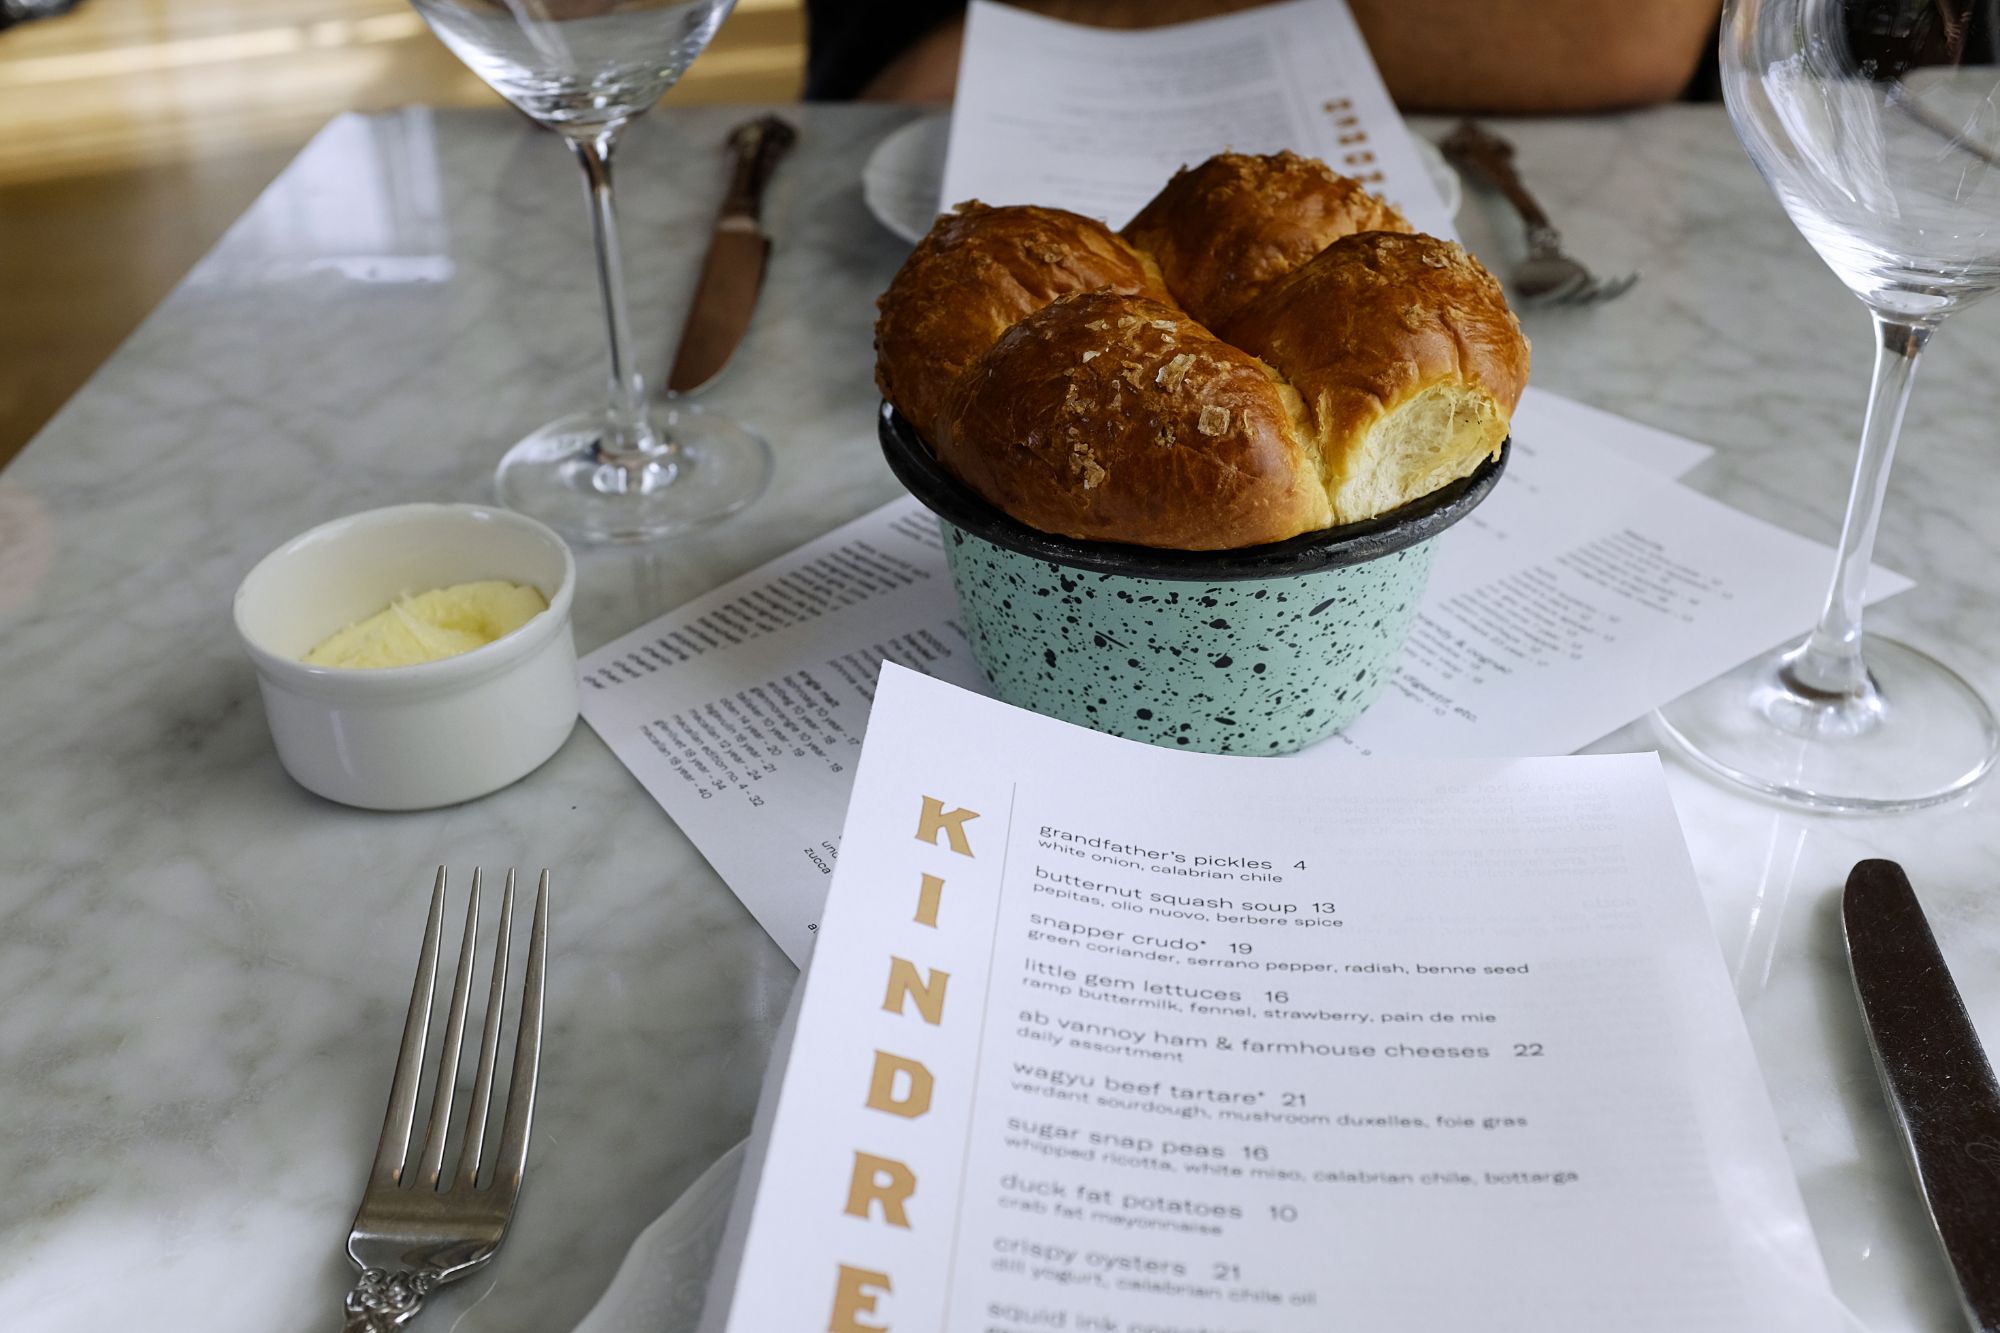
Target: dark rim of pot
<point>1329,548</point>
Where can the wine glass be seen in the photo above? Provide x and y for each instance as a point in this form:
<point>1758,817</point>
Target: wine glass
<point>585,68</point>
<point>1876,126</point>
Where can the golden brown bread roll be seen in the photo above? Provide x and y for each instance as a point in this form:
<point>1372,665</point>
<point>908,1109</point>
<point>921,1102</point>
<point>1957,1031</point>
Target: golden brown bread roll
<point>1409,361</point>
<point>979,272</point>
<point>1118,418</point>
<point>1381,369</point>
<point>1227,229</point>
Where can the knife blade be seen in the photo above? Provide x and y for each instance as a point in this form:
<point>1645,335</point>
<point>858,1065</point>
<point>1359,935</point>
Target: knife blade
<point>1939,1083</point>
<point>733,272</point>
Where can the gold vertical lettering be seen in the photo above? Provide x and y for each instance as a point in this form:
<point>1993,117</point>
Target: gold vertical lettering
<point>882,1086</point>
<point>952,823</point>
<point>928,992</point>
<point>927,900</point>
<point>855,1292</point>
<point>883,1181</point>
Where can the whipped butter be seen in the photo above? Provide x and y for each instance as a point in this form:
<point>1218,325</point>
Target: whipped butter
<point>432,625</point>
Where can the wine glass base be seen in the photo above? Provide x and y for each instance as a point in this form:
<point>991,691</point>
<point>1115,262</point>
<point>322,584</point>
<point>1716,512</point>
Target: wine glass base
<point>1923,736</point>
<point>561,475</point>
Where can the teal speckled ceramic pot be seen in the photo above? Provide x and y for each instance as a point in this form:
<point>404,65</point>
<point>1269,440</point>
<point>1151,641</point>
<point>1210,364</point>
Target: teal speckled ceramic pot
<point>1260,650</point>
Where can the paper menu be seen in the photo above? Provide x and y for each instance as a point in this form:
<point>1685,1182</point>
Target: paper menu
<point>1541,415</point>
<point>1543,628</point>
<point>1555,614</point>
<point>1104,1037</point>
<point>1095,120</point>
<point>742,712</point>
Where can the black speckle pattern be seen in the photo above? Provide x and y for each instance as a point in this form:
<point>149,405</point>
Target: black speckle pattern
<point>1249,667</point>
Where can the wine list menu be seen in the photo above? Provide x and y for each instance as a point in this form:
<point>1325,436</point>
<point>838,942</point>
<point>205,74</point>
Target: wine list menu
<point>1101,1037</point>
<point>1095,120</point>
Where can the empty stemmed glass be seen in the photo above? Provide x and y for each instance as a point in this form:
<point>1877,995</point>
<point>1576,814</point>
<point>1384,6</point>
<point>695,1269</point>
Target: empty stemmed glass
<point>585,68</point>
<point>1876,126</point>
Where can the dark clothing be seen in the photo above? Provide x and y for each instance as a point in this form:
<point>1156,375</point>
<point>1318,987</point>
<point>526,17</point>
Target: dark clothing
<point>849,43</point>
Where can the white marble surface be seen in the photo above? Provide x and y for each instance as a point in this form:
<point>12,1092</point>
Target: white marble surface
<point>201,966</point>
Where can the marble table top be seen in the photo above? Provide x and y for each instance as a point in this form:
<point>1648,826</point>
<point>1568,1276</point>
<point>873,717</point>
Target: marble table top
<point>202,967</point>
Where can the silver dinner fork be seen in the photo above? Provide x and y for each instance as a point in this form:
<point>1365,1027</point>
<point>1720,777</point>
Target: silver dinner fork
<point>1548,276</point>
<point>415,1232</point>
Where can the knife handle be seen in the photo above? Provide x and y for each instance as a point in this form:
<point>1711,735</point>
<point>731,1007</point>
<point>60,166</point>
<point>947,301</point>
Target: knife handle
<point>758,144</point>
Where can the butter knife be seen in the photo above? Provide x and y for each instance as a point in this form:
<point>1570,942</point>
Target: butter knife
<point>734,269</point>
<point>1937,1078</point>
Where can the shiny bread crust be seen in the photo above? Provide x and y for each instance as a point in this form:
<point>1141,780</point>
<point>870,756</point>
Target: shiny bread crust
<point>1051,368</point>
<point>1227,229</point>
<point>1367,328</point>
<point>1103,416</point>
<point>978,273</point>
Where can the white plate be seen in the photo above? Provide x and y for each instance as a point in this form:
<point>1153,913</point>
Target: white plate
<point>904,175</point>
<point>906,172</point>
<point>1443,178</point>
<point>660,1286</point>
<point>663,1282</point>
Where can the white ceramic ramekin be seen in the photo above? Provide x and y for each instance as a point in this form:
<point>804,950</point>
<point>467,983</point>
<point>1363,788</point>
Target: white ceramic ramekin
<point>408,738</point>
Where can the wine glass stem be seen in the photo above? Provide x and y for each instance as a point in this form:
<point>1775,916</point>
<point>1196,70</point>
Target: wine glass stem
<point>1830,662</point>
<point>631,438</point>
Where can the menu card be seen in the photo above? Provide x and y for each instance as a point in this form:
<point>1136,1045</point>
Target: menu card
<point>1588,588</point>
<point>1094,120</point>
<point>1103,1037</point>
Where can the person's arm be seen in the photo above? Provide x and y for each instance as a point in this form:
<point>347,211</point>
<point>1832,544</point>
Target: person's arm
<point>1435,55</point>
<point>1535,56</point>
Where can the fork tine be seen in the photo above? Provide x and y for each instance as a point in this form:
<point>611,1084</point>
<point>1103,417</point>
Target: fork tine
<point>1583,293</point>
<point>489,1049</point>
<point>446,1085</point>
<point>1590,292</point>
<point>394,1146</point>
<point>513,1159</point>
<point>1562,295</point>
<point>1598,290</point>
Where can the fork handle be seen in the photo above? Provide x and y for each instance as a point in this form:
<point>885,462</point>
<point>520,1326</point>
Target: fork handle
<point>1491,157</point>
<point>382,1300</point>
